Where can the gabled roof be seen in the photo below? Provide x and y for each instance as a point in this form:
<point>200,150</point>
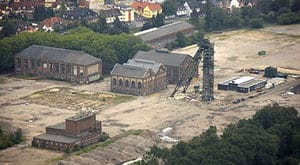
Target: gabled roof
<point>50,22</point>
<point>154,33</point>
<point>141,5</point>
<point>110,12</point>
<point>82,12</point>
<point>129,71</point>
<point>58,54</point>
<point>145,64</point>
<point>166,58</point>
<point>193,4</point>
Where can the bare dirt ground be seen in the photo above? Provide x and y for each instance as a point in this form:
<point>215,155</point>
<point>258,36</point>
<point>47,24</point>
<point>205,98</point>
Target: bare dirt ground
<point>29,105</point>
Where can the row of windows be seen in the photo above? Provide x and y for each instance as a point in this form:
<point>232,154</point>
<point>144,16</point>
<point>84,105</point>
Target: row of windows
<point>132,85</point>
<point>53,67</point>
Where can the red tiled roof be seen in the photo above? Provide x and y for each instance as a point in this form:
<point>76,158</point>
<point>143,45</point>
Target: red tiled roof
<point>142,5</point>
<point>50,22</point>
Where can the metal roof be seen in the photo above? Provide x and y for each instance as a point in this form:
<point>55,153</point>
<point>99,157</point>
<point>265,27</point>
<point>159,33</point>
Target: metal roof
<point>250,83</point>
<point>165,30</point>
<point>242,79</point>
<point>226,82</point>
<point>58,54</point>
<point>166,58</point>
<point>57,138</point>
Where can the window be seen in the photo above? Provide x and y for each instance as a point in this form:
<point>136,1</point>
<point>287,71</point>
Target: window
<point>132,84</point>
<point>56,68</point>
<point>68,69</point>
<point>62,68</point>
<point>26,63</point>
<point>139,85</point>
<point>114,81</point>
<point>51,67</point>
<point>120,83</point>
<point>81,71</point>
<point>38,63</point>
<point>127,84</point>
<point>19,62</point>
<point>75,70</point>
<point>32,63</point>
<point>45,65</point>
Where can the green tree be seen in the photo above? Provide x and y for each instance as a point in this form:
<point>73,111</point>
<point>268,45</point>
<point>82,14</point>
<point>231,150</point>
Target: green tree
<point>168,7</point>
<point>158,20</point>
<point>9,28</point>
<point>40,13</point>
<point>180,39</point>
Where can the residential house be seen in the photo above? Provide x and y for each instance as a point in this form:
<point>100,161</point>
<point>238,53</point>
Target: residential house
<point>181,10</point>
<point>110,14</point>
<point>146,9</point>
<point>57,63</point>
<point>48,24</point>
<point>127,13</point>
<point>79,14</point>
<point>158,37</point>
<point>77,131</point>
<point>193,6</point>
<point>174,62</point>
<point>138,77</point>
<point>26,7</point>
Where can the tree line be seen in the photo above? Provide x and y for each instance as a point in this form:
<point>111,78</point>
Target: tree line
<point>270,137</point>
<point>9,139</point>
<point>109,48</point>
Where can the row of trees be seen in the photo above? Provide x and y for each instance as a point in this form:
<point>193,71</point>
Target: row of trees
<point>270,137</point>
<point>110,48</point>
<point>265,11</point>
<point>9,139</point>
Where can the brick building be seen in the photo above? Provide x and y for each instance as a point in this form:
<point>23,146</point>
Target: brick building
<point>79,130</point>
<point>138,77</point>
<point>57,63</point>
<point>175,63</point>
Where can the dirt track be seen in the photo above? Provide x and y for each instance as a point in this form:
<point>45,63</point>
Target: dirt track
<point>235,50</point>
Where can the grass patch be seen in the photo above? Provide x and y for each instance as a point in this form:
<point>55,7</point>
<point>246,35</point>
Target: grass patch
<point>108,141</point>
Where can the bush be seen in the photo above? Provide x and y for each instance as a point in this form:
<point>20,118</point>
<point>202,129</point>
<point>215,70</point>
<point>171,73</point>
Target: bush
<point>288,18</point>
<point>104,136</point>
<point>9,139</point>
<point>256,23</point>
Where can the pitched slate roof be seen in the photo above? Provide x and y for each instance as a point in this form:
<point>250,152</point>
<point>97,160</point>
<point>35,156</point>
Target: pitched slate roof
<point>80,13</point>
<point>129,71</point>
<point>166,58</point>
<point>144,64</point>
<point>154,33</point>
<point>57,138</point>
<point>58,54</point>
<point>110,12</point>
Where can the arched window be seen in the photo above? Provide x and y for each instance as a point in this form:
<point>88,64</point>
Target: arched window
<point>126,83</point>
<point>114,81</point>
<point>139,85</point>
<point>120,83</point>
<point>132,84</point>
